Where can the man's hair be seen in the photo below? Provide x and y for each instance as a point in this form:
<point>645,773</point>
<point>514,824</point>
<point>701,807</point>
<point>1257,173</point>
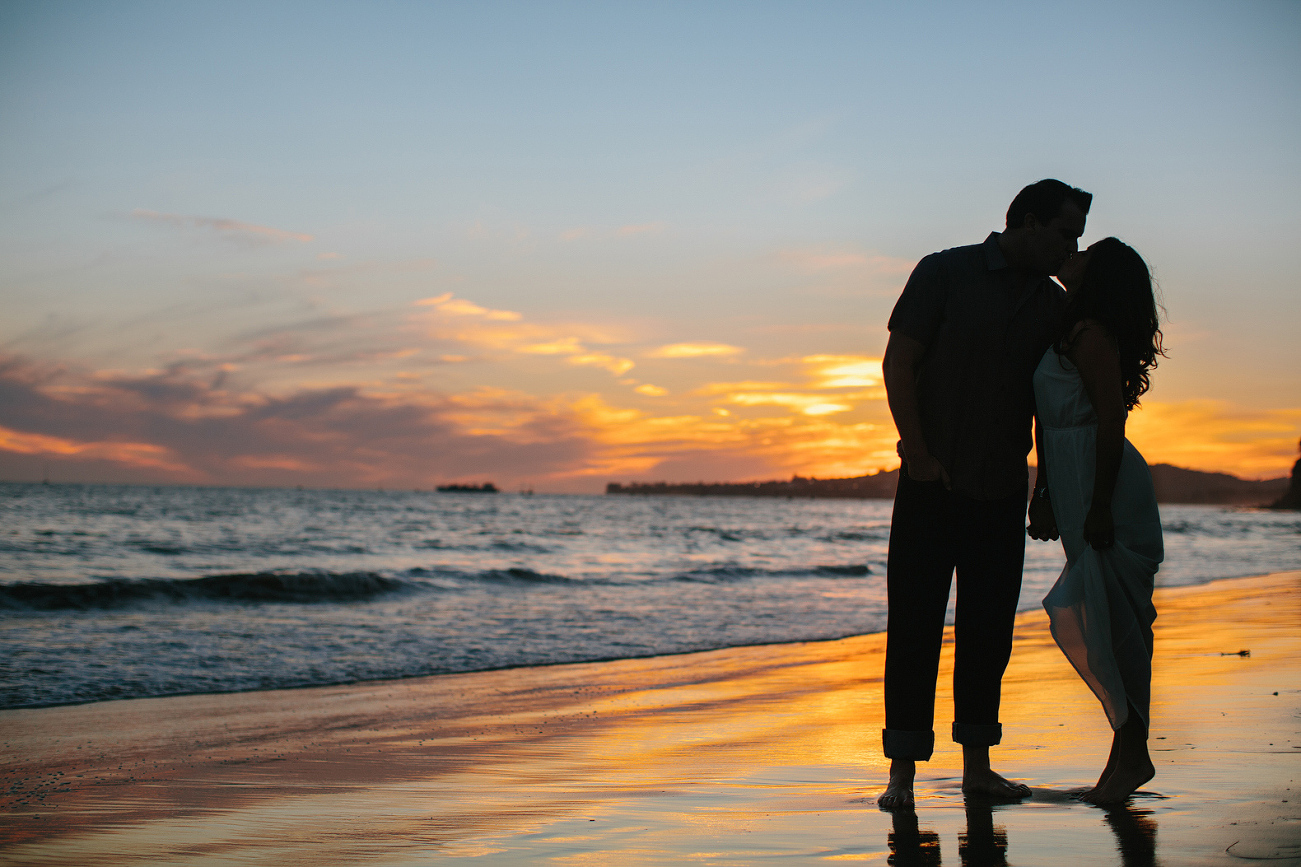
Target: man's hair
<point>1044,199</point>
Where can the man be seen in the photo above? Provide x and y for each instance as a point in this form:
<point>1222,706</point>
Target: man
<point>965,338</point>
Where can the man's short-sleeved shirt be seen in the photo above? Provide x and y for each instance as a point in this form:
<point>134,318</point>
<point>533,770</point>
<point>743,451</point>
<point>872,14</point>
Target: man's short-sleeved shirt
<point>985,327</point>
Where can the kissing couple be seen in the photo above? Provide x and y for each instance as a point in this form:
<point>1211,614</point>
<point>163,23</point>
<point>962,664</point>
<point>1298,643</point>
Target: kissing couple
<point>983,343</point>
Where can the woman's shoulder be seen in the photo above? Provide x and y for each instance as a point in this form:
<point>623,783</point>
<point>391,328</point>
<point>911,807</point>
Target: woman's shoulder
<point>1088,331</point>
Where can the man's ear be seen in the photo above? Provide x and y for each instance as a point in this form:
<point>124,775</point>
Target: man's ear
<point>1030,221</point>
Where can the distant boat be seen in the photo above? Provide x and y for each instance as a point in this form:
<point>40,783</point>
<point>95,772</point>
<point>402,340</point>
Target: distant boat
<point>485,488</point>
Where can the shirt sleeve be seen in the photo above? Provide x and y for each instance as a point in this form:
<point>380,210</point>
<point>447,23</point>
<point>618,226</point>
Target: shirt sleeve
<point>920,309</point>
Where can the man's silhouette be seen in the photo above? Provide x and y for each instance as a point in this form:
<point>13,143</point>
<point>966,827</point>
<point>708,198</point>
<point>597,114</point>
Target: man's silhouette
<point>965,338</point>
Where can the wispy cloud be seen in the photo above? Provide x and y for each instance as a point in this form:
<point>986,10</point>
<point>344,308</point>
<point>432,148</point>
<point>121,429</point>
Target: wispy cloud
<point>845,371</point>
<point>143,455</point>
<point>559,346</point>
<point>617,366</point>
<point>233,229</point>
<point>809,404</point>
<point>449,304</point>
<point>695,350</point>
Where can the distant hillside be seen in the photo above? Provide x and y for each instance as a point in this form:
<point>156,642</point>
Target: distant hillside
<point>878,486</point>
<point>1178,485</point>
<point>1173,485</point>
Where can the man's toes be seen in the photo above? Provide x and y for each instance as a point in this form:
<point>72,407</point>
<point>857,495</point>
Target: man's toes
<point>894,798</point>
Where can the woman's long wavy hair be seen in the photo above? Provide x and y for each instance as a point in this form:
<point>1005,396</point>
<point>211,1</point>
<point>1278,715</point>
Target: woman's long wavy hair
<point>1116,292</point>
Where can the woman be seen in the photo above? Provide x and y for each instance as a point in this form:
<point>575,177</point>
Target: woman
<point>1095,489</point>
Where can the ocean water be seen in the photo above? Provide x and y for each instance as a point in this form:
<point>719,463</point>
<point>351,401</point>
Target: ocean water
<point>116,592</point>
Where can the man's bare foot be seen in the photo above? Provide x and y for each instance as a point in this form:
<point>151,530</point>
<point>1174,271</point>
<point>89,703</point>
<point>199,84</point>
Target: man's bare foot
<point>983,781</point>
<point>899,793</point>
<point>1119,784</point>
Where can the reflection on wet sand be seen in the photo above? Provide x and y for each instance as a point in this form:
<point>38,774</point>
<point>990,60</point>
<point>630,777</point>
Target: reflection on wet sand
<point>1135,832</point>
<point>909,845</point>
<point>985,844</point>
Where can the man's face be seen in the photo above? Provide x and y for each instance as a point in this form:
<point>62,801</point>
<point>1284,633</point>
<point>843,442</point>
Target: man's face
<point>1051,243</point>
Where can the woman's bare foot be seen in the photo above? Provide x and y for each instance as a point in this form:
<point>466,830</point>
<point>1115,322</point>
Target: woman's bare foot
<point>1128,766</point>
<point>983,781</point>
<point>1113,760</point>
<point>1122,782</point>
<point>898,793</point>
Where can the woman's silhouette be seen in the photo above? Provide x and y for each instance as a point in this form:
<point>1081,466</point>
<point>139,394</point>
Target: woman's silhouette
<point>1095,490</point>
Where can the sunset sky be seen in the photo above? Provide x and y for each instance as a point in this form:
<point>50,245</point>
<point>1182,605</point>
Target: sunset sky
<point>561,244</point>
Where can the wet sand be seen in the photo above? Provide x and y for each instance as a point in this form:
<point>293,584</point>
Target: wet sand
<point>741,756</point>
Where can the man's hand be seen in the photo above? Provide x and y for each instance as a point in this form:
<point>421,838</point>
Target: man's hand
<point>928,469</point>
<point>1099,527</point>
<point>1043,523</point>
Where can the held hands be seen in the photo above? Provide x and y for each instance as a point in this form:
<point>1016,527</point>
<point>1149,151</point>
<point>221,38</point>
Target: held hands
<point>1043,523</point>
<point>1099,527</point>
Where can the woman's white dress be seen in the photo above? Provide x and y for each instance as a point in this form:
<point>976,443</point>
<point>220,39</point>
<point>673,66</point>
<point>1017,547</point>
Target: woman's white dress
<point>1101,606</point>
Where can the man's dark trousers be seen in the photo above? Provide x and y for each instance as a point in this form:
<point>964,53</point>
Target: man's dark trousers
<point>934,531</point>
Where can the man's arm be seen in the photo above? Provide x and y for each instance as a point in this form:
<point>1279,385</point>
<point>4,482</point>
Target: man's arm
<point>903,357</point>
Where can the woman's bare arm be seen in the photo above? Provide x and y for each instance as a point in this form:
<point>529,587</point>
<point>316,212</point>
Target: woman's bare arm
<point>1095,356</point>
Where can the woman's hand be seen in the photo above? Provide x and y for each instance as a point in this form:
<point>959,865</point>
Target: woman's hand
<point>1099,528</point>
<point>1043,523</point>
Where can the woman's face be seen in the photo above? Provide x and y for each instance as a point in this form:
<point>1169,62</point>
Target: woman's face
<point>1071,274</point>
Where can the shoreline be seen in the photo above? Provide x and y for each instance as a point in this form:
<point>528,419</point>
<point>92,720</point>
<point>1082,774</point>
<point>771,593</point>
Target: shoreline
<point>749,752</point>
<point>534,665</point>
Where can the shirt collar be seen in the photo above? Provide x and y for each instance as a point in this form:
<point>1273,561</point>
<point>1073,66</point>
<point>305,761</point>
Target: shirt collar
<point>994,257</point>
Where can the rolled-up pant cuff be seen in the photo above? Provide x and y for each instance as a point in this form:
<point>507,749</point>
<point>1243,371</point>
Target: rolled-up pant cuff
<point>971,735</point>
<point>900,744</point>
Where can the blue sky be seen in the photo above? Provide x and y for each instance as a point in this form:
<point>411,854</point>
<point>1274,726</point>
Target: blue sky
<point>245,203</point>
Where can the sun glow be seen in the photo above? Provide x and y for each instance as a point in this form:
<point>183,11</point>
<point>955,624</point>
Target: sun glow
<point>544,403</point>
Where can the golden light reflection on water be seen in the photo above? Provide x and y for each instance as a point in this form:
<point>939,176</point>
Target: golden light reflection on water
<point>725,757</point>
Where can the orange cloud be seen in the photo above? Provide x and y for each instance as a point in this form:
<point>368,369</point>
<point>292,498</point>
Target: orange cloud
<point>447,303</point>
<point>714,388</point>
<point>809,404</point>
<point>637,444</point>
<point>845,371</point>
<point>694,350</point>
<point>560,346</point>
<point>617,366</point>
<point>461,321</point>
<point>131,454</point>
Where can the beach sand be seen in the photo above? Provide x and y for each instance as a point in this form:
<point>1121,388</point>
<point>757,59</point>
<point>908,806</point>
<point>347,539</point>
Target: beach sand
<point>740,756</point>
